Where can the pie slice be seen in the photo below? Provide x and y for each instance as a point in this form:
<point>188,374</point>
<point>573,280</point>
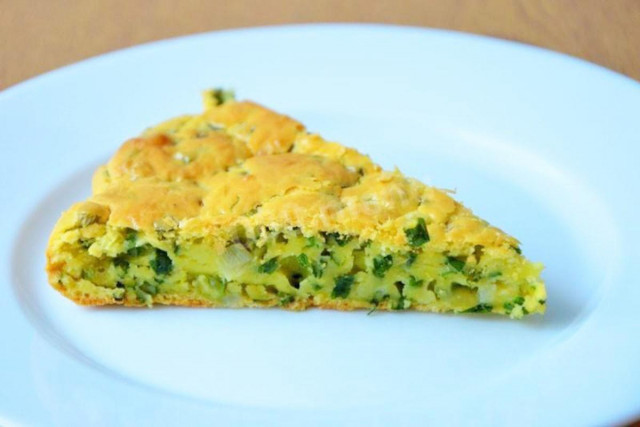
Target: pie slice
<point>242,207</point>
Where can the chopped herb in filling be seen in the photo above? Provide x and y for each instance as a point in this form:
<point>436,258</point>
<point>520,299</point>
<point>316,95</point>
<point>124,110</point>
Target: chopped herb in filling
<point>328,265</point>
<point>121,262</point>
<point>381,264</point>
<point>418,235</point>
<point>161,264</point>
<point>343,286</point>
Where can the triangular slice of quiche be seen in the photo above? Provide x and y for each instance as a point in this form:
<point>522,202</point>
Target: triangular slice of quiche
<point>242,207</point>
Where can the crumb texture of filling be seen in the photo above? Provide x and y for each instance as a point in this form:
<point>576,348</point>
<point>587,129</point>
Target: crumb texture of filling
<point>241,206</point>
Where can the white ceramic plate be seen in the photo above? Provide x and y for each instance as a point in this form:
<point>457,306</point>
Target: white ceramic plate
<point>540,144</point>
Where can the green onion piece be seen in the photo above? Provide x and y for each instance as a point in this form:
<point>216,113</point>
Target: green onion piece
<point>303,260</point>
<point>269,266</point>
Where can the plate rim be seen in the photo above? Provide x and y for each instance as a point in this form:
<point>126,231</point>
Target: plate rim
<point>324,26</point>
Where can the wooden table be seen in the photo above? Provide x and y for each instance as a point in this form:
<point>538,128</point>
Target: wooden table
<point>40,35</point>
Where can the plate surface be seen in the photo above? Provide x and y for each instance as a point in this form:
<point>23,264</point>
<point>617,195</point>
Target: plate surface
<point>542,145</point>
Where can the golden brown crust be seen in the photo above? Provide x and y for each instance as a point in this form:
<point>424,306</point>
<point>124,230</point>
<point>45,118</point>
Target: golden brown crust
<point>240,163</point>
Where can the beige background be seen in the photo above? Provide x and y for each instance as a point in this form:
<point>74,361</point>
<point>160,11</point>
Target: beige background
<point>40,35</point>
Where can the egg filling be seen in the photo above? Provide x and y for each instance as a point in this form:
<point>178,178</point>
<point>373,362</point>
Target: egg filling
<point>265,267</point>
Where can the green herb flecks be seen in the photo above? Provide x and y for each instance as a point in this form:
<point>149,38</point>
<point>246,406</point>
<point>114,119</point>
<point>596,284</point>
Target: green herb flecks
<point>303,260</point>
<point>149,288</point>
<point>161,264</point>
<point>455,263</point>
<point>317,269</point>
<point>413,282</point>
<point>269,266</point>
<point>381,264</point>
<point>402,304</point>
<point>312,242</point>
<point>376,300</point>
<point>286,300</point>
<point>137,250</point>
<point>480,308</point>
<point>142,296</point>
<point>343,286</point>
<point>145,292</point>
<point>130,238</point>
<point>327,255</point>
<point>508,306</point>
<point>411,258</point>
<point>222,96</point>
<point>418,235</point>
<point>86,243</point>
<point>340,239</point>
<point>121,262</point>
<point>494,274</point>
